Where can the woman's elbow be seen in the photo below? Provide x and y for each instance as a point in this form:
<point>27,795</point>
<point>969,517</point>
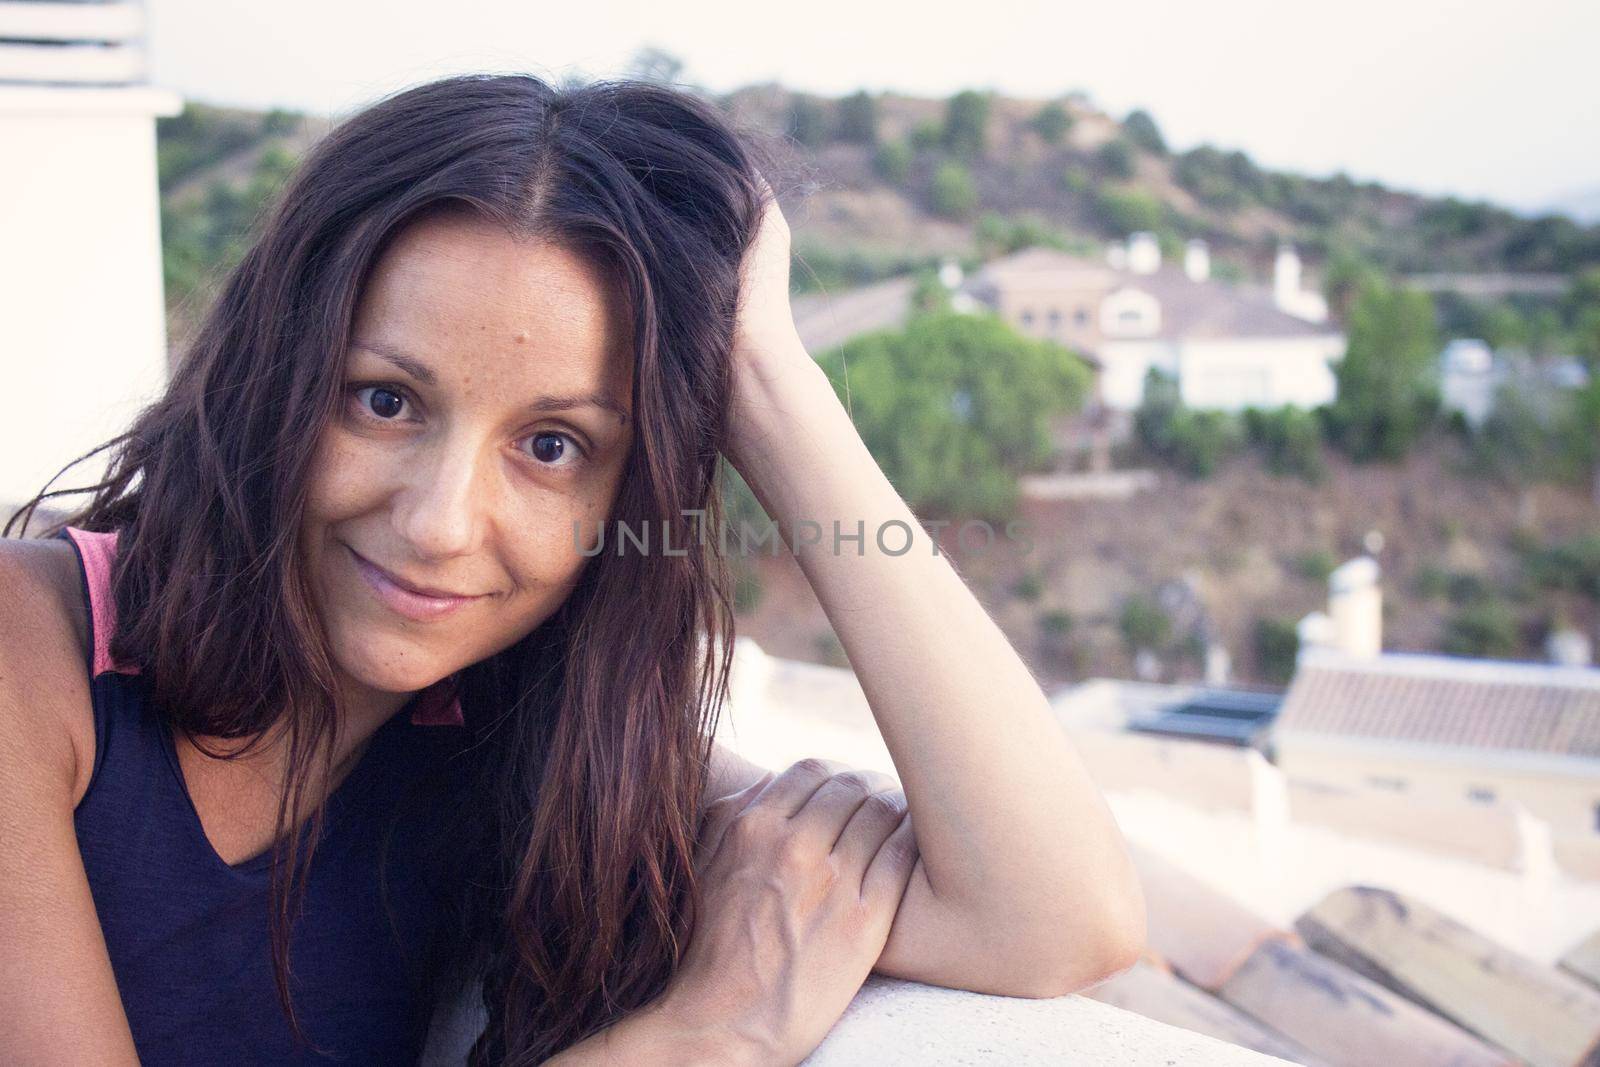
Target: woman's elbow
<point>1089,945</point>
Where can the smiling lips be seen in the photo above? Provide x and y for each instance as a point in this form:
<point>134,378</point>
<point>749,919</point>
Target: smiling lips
<point>403,599</point>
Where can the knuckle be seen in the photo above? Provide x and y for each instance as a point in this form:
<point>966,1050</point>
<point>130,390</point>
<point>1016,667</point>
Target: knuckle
<point>812,767</point>
<point>858,782</point>
<point>889,803</point>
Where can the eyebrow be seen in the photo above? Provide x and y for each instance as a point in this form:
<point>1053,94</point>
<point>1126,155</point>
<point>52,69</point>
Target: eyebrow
<point>556,402</point>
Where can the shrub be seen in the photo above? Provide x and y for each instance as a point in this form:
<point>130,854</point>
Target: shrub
<point>1572,566</point>
<point>809,121</point>
<point>1028,587</point>
<point>1143,624</point>
<point>1290,440</point>
<point>1051,123</point>
<point>858,118</point>
<point>1128,210</point>
<point>1116,159</point>
<point>1142,130</point>
<point>1277,644</point>
<point>892,161</point>
<point>954,195</point>
<point>1485,628</point>
<point>927,134</point>
<point>1316,566</point>
<point>966,119</point>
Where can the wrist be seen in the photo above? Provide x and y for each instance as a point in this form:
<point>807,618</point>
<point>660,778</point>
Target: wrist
<point>776,391</point>
<point>696,1036</point>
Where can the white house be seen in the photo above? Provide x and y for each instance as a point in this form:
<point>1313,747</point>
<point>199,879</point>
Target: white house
<point>1230,347</point>
<point>82,321</point>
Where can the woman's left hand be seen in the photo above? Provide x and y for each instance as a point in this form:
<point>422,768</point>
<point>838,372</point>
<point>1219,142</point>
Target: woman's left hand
<point>769,361</point>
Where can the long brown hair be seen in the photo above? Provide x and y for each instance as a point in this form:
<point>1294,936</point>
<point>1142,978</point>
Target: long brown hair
<point>590,738</point>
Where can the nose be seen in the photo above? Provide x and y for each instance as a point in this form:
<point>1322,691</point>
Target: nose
<point>443,509</point>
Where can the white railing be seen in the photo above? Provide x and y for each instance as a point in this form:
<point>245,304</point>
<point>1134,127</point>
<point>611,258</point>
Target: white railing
<point>100,23</point>
<point>71,64</point>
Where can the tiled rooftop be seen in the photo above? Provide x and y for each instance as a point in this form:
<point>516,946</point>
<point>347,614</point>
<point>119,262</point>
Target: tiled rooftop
<point>1319,925</point>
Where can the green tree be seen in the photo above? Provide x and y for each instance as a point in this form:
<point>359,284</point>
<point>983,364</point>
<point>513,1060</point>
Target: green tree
<point>1142,130</point>
<point>1052,123</point>
<point>1388,378</point>
<point>893,162</point>
<point>809,122</point>
<point>1129,210</point>
<point>927,133</point>
<point>955,406</point>
<point>1343,277</point>
<point>954,194</point>
<point>966,120</point>
<point>1290,440</point>
<point>1144,624</point>
<point>858,118</point>
<point>1116,159</point>
<point>1195,442</point>
<point>1277,644</point>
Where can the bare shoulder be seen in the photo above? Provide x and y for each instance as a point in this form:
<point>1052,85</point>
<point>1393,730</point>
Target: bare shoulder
<point>45,707</point>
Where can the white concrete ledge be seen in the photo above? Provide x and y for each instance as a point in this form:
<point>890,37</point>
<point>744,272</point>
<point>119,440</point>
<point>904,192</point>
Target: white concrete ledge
<point>899,1024</point>
<point>904,1024</point>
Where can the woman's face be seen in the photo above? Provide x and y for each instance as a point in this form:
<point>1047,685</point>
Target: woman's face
<point>486,411</point>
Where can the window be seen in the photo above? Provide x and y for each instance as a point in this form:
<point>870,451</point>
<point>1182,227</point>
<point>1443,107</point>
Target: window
<point>1027,316</point>
<point>1054,319</point>
<point>1383,781</point>
<point>1081,317</point>
<point>1480,794</point>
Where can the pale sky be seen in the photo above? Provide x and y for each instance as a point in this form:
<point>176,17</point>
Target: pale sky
<point>1472,97</point>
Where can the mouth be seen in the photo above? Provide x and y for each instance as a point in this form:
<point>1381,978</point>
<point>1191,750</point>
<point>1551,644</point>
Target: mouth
<point>406,600</point>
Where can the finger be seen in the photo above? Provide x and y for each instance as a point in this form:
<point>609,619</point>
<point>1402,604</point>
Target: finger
<point>824,816</point>
<point>870,825</point>
<point>790,790</point>
<point>719,815</point>
<point>892,868</point>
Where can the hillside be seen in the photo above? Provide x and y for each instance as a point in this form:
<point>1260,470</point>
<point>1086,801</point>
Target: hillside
<point>1470,565</point>
<point>877,186</point>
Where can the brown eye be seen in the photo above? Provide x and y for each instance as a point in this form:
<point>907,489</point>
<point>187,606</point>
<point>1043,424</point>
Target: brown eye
<point>383,402</point>
<point>554,449</point>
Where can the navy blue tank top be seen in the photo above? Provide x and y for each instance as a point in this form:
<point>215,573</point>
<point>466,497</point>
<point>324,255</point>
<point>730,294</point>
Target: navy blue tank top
<point>189,934</point>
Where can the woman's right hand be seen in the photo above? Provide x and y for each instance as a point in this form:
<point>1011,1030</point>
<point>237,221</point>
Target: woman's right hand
<point>800,876</point>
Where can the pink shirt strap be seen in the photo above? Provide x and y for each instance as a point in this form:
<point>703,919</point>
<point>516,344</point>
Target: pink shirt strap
<point>436,705</point>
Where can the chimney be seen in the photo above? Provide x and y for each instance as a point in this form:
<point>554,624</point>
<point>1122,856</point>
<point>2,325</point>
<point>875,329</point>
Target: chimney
<point>1566,647</point>
<point>1286,277</point>
<point>1144,253</point>
<point>950,274</point>
<point>1355,608</point>
<point>1197,260</point>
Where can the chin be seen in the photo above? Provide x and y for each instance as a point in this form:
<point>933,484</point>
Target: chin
<point>388,665</point>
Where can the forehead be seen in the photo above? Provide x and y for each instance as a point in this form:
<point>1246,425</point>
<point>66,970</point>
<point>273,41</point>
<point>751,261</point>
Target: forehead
<point>458,288</point>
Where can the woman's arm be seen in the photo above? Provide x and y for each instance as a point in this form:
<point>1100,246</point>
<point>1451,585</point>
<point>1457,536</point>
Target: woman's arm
<point>1024,885</point>
<point>59,1002</point>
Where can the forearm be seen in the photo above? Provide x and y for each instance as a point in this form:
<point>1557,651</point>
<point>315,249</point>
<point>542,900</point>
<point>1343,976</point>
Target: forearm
<point>1007,820</point>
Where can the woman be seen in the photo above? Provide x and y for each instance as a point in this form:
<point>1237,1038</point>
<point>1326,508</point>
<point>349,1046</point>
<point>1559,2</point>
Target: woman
<point>355,578</point>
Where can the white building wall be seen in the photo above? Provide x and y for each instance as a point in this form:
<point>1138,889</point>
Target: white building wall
<point>1227,375</point>
<point>1231,375</point>
<point>82,322</point>
<point>1123,365</point>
